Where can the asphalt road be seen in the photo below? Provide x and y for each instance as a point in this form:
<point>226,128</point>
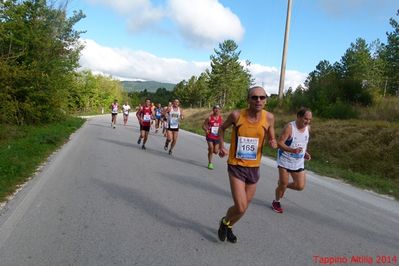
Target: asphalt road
<point>101,200</point>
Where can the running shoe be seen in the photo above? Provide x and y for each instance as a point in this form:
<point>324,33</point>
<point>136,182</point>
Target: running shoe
<point>222,232</point>
<point>139,141</point>
<point>143,147</point>
<point>230,236</point>
<point>166,147</point>
<point>210,166</point>
<point>276,206</point>
<point>170,152</point>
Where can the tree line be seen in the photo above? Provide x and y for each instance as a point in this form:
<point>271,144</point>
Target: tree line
<point>225,84</point>
<point>365,73</point>
<point>39,56</point>
<point>39,81</point>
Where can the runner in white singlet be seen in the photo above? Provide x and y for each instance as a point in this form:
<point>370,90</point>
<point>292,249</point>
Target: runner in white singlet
<point>291,155</point>
<point>175,114</point>
<point>114,112</point>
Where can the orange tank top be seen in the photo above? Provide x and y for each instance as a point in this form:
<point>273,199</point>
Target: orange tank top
<point>247,139</point>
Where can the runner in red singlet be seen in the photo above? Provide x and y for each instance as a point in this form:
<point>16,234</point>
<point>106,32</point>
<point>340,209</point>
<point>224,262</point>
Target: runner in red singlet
<point>211,127</point>
<point>144,115</point>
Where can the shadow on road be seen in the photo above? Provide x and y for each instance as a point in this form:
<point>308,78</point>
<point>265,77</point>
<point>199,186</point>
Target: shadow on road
<point>121,143</point>
<point>369,234</point>
<point>156,210</point>
<point>161,152</point>
<point>198,183</point>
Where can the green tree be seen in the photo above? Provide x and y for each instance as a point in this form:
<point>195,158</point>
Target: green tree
<point>203,92</point>
<point>357,62</point>
<point>181,93</point>
<point>91,93</point>
<point>39,52</point>
<point>162,96</point>
<point>194,92</point>
<point>356,70</point>
<point>322,85</point>
<point>228,79</point>
<point>392,57</point>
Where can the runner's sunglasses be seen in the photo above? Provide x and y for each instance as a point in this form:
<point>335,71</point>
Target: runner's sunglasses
<point>256,97</point>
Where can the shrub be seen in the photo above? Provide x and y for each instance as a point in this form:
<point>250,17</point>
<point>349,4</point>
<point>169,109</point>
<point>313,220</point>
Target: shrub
<point>339,110</point>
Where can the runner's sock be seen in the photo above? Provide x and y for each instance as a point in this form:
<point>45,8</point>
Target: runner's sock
<point>226,222</point>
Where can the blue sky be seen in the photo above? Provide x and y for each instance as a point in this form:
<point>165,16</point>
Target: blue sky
<point>171,40</point>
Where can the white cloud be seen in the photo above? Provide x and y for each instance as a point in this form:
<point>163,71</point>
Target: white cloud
<point>139,14</point>
<point>269,78</point>
<point>205,23</point>
<point>201,23</point>
<point>126,64</point>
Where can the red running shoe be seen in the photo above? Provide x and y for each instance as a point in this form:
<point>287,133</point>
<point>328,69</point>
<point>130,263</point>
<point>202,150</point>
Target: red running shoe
<point>276,206</point>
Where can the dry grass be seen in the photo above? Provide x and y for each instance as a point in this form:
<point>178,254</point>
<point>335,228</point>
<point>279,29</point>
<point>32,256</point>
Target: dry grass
<point>386,109</point>
<point>362,152</point>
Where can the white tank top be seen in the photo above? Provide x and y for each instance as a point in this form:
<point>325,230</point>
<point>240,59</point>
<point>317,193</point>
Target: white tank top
<point>174,116</point>
<point>293,161</point>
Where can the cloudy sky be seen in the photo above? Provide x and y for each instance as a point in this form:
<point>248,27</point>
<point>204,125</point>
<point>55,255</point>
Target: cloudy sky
<point>172,40</point>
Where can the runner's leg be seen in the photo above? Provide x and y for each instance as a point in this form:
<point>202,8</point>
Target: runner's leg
<point>242,195</point>
<point>169,137</point>
<point>210,151</point>
<point>299,181</point>
<point>175,134</point>
<point>282,183</point>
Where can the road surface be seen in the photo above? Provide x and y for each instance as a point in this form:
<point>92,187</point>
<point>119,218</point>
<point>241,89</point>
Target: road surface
<point>101,200</point>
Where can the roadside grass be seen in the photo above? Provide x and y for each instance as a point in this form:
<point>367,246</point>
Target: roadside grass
<point>383,109</point>
<point>363,153</point>
<point>24,148</point>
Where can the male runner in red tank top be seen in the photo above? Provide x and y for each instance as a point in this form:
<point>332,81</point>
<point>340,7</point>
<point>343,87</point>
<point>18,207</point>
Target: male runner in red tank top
<point>211,127</point>
<point>144,115</point>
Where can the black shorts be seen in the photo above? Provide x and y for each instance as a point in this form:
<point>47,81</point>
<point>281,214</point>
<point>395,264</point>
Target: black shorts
<point>249,175</point>
<point>214,141</point>
<point>145,128</point>
<point>173,129</point>
<point>114,114</point>
<point>292,171</point>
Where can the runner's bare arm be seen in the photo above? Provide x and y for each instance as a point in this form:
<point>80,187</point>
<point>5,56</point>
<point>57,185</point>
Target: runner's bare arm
<point>307,154</point>
<point>205,125</point>
<point>271,132</point>
<point>231,120</point>
<point>138,115</point>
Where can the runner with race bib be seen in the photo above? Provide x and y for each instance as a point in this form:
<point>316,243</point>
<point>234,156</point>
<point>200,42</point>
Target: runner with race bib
<point>251,128</point>
<point>211,127</point>
<point>144,115</point>
<point>158,116</point>
<point>125,110</point>
<point>114,112</point>
<point>175,114</point>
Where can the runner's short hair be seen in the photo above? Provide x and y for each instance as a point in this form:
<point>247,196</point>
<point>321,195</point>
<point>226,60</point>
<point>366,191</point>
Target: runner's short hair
<point>302,111</point>
<point>255,87</point>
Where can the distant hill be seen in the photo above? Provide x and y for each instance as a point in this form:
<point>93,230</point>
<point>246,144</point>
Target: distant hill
<point>151,86</point>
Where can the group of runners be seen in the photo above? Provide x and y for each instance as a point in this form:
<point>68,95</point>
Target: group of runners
<point>114,112</point>
<point>252,127</point>
<point>168,118</point>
